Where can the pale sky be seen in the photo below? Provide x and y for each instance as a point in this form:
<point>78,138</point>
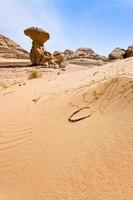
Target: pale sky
<point>98,24</point>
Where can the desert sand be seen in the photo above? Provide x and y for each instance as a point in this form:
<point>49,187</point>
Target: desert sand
<point>43,156</point>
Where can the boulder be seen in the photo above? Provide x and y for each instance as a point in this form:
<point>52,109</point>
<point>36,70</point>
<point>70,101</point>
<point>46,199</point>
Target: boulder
<point>85,57</point>
<point>88,53</point>
<point>68,54</point>
<point>10,49</point>
<point>58,58</point>
<point>85,52</point>
<point>129,52</point>
<point>117,53</point>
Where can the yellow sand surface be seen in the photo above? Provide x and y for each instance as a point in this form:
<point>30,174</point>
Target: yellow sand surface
<point>43,156</point>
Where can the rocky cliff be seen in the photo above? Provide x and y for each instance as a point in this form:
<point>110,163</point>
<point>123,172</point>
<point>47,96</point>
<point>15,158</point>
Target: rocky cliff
<point>10,49</point>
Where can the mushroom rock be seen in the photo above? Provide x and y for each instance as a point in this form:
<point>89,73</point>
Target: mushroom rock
<point>37,34</point>
<point>39,37</point>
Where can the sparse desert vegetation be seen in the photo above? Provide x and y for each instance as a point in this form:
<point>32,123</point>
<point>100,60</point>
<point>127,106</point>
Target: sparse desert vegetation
<point>34,73</point>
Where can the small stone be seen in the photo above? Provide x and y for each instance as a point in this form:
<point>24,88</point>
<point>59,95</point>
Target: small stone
<point>63,69</point>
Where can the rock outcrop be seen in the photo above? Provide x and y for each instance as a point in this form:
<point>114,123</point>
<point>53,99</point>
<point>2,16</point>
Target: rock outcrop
<point>86,62</point>
<point>68,54</point>
<point>38,37</point>
<point>117,53</point>
<point>129,52</point>
<point>38,54</point>
<point>58,58</point>
<point>84,56</point>
<point>10,49</point>
<point>85,52</point>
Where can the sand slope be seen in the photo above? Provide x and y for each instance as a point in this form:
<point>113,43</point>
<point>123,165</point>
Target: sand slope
<point>45,157</point>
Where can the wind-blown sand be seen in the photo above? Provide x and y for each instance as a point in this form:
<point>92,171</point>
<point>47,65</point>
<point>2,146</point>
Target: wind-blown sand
<point>43,156</point>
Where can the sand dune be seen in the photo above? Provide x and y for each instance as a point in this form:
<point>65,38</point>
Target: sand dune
<point>43,156</point>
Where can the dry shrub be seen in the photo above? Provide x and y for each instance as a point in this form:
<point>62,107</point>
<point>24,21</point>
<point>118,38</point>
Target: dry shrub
<point>34,73</point>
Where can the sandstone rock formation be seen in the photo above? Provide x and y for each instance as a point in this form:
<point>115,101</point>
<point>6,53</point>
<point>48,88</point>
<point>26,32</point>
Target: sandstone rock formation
<point>88,53</point>
<point>68,54</point>
<point>37,34</point>
<point>84,56</point>
<point>85,52</point>
<point>86,62</point>
<point>129,52</point>
<point>10,49</point>
<point>117,53</point>
<point>58,58</point>
<point>39,37</point>
<point>38,54</point>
